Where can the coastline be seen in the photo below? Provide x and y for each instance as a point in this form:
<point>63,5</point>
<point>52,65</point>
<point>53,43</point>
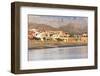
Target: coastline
<point>56,46</point>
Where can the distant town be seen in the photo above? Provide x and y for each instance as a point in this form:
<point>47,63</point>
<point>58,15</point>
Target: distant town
<point>37,38</point>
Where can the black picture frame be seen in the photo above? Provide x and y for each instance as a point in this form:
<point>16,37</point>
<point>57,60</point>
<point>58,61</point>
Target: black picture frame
<point>15,37</point>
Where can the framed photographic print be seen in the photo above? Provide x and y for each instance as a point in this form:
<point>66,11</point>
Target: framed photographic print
<point>52,37</point>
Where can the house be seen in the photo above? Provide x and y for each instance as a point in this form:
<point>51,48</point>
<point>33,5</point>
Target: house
<point>32,33</point>
<point>84,38</point>
<point>84,35</point>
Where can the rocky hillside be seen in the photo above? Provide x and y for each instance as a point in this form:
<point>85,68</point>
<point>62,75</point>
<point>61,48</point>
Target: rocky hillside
<point>75,28</point>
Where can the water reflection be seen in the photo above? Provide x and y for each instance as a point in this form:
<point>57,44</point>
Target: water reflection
<point>58,53</point>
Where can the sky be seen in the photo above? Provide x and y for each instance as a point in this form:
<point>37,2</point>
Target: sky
<point>57,21</point>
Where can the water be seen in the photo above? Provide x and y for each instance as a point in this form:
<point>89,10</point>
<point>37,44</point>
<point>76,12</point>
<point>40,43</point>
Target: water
<point>58,53</point>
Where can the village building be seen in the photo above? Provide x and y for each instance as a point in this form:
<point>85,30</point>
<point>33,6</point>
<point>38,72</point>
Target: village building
<point>32,33</point>
<point>84,38</point>
<point>56,36</point>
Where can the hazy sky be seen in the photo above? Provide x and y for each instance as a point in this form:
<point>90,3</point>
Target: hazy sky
<point>57,21</point>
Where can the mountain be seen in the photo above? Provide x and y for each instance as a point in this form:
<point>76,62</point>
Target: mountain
<point>75,28</point>
<point>42,27</point>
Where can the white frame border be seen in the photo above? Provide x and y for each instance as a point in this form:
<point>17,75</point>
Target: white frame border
<point>25,64</point>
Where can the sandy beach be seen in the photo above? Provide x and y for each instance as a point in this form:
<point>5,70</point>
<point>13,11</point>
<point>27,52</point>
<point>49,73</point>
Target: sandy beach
<point>37,44</point>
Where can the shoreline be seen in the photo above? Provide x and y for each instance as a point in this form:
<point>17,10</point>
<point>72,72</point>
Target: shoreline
<point>57,46</point>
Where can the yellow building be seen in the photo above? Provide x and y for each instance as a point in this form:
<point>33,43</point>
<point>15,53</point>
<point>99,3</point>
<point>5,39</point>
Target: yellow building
<point>84,38</point>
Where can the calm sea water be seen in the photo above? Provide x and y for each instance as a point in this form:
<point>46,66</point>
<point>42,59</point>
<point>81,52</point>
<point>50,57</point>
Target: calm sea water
<point>58,53</point>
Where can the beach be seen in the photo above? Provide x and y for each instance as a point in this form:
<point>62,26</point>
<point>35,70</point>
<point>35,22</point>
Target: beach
<point>37,44</point>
